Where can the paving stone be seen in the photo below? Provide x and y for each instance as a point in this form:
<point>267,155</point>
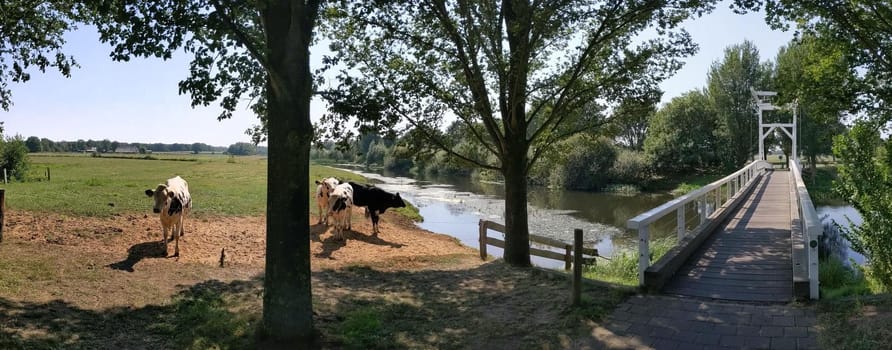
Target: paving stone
<point>663,332</point>
<point>756,342</point>
<point>690,346</point>
<point>700,326</point>
<point>783,343</point>
<point>725,330</point>
<point>808,343</point>
<point>707,339</point>
<point>783,321</point>
<point>748,330</point>
<point>771,331</point>
<point>662,322</point>
<point>667,344</point>
<point>795,332</point>
<point>732,340</point>
<point>639,329</point>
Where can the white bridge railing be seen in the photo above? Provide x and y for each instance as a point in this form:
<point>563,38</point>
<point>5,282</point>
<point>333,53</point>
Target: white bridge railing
<point>708,198</point>
<point>811,227</point>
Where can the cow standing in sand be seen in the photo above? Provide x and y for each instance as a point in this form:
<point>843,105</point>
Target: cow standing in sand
<point>173,202</point>
<point>323,191</point>
<point>376,201</point>
<point>341,208</point>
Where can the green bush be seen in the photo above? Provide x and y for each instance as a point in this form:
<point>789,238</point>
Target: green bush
<point>863,180</point>
<point>584,163</point>
<point>630,167</point>
<point>399,159</point>
<point>14,157</point>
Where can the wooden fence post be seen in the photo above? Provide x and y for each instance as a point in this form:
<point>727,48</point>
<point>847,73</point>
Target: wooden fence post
<point>577,267</point>
<point>482,240</point>
<point>568,257</point>
<point>2,211</point>
<point>48,178</point>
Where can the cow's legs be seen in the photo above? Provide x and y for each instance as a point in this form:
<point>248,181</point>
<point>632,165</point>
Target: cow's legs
<point>375,217</point>
<point>164,237</point>
<point>323,216</point>
<point>349,217</point>
<point>178,227</point>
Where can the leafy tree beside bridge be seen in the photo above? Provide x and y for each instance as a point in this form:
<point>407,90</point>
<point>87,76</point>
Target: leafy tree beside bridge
<point>521,76</point>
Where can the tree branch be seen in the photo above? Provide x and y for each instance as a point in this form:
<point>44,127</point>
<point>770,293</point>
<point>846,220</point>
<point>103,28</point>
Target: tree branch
<point>475,77</point>
<point>241,37</point>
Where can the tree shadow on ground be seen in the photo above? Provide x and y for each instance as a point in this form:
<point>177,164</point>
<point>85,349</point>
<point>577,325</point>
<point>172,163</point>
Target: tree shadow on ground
<point>140,251</point>
<point>331,244</point>
<point>487,306</point>
<point>316,232</point>
<point>195,319</point>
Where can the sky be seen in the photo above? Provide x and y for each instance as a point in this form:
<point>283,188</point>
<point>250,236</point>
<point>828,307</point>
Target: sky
<point>138,101</point>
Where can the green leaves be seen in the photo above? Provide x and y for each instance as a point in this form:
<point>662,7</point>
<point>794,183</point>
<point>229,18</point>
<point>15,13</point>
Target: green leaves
<point>682,135</point>
<point>31,37</point>
<point>729,83</point>
<point>865,180</point>
<point>516,74</point>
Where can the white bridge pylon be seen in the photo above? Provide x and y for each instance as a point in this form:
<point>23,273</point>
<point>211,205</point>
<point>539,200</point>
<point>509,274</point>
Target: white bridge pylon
<point>764,104</point>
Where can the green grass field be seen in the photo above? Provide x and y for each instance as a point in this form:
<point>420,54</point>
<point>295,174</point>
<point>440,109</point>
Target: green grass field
<point>103,186</point>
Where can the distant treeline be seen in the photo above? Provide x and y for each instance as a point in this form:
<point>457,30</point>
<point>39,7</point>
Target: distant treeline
<point>36,144</point>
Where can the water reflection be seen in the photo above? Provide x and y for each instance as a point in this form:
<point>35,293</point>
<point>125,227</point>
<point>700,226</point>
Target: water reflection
<point>841,215</point>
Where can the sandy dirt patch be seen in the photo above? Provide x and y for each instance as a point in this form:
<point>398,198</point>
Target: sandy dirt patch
<point>136,237</point>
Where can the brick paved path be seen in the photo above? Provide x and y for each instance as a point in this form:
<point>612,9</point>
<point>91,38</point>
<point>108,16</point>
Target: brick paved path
<point>667,322</point>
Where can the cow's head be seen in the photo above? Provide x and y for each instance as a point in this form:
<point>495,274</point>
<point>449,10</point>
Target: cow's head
<point>397,202</point>
<point>328,185</point>
<point>162,198</point>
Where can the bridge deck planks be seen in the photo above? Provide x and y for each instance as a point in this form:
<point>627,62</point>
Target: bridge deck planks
<point>749,257</point>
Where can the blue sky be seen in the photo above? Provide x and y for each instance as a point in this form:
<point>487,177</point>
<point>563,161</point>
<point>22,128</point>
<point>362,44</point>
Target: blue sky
<point>138,101</point>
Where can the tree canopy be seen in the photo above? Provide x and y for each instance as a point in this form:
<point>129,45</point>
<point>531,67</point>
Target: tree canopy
<point>861,29</point>
<point>521,76</point>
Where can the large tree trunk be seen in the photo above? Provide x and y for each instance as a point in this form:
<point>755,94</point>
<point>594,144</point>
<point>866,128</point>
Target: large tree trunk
<point>517,235</point>
<point>287,299</point>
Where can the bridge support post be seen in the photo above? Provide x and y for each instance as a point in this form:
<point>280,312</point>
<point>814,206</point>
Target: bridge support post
<point>643,252</point>
<point>679,216</point>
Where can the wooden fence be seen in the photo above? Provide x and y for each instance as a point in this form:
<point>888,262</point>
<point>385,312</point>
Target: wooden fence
<point>588,254</point>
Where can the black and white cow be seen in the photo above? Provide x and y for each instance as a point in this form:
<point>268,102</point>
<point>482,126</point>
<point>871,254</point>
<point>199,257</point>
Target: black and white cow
<point>173,202</point>
<point>341,208</point>
<point>375,200</point>
<point>323,191</point>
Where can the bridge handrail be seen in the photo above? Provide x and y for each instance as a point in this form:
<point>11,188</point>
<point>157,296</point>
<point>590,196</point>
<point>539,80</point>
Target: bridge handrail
<point>811,227</point>
<point>655,214</point>
<point>736,182</point>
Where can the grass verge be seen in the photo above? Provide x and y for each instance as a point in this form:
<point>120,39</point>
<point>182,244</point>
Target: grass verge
<point>622,268</point>
<point>856,323</point>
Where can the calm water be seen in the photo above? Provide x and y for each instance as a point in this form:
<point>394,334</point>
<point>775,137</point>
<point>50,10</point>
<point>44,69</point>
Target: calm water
<point>841,215</point>
<point>454,206</point>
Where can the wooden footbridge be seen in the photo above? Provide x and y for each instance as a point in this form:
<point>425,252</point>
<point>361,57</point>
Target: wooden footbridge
<point>754,238</point>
